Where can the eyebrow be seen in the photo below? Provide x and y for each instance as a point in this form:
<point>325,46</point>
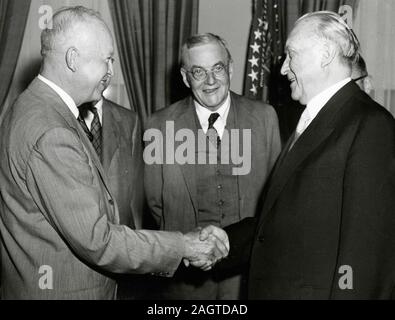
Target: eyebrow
<point>219,62</point>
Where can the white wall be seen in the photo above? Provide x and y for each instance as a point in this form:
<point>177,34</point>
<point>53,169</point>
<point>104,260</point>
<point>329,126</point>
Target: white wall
<point>230,19</point>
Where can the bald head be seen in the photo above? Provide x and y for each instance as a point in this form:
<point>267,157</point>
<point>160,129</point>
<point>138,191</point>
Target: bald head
<point>70,27</point>
<point>321,51</point>
<point>78,53</point>
<point>329,27</point>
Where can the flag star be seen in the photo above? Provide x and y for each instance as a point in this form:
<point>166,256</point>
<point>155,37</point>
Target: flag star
<point>265,26</point>
<point>253,61</point>
<point>253,75</point>
<point>260,22</point>
<point>254,90</point>
<point>255,47</point>
<point>258,34</point>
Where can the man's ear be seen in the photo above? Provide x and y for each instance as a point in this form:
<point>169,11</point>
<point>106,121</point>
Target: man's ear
<point>71,58</point>
<point>328,54</point>
<point>185,77</point>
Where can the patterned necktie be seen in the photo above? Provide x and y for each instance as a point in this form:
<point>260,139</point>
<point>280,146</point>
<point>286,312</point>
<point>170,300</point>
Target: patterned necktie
<point>84,126</point>
<point>96,131</point>
<point>212,133</point>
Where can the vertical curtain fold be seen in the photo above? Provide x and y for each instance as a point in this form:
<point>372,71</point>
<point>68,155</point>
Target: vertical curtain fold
<point>149,36</point>
<point>13,17</point>
<point>295,9</point>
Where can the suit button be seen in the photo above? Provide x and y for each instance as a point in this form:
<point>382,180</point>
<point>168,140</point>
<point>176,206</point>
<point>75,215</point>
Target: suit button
<point>111,201</point>
<point>261,238</point>
<point>221,203</point>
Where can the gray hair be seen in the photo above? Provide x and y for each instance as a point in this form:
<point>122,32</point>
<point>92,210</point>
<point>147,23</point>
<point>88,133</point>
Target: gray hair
<point>330,26</point>
<point>62,23</point>
<point>200,39</point>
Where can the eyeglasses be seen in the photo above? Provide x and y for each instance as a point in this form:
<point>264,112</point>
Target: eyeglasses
<point>360,78</point>
<point>201,74</point>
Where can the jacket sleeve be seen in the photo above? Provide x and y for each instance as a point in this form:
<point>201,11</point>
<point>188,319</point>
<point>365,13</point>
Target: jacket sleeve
<point>69,191</point>
<point>241,238</point>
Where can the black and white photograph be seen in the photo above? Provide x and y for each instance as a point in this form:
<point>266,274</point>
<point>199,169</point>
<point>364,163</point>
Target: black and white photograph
<point>197,154</point>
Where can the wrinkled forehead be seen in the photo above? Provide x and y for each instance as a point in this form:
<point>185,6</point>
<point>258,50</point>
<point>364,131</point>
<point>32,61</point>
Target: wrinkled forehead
<point>301,37</point>
<point>206,55</point>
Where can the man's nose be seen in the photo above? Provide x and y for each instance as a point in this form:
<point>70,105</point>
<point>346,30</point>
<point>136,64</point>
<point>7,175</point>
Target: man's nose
<point>285,67</point>
<point>110,69</point>
<point>211,79</point>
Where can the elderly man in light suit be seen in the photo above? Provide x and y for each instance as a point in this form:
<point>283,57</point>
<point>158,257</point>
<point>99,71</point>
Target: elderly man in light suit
<point>59,221</point>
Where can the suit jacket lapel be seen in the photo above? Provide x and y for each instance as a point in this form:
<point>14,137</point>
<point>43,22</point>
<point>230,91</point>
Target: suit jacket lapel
<point>318,131</point>
<point>186,120</point>
<point>60,107</point>
<point>244,121</point>
<point>111,136</point>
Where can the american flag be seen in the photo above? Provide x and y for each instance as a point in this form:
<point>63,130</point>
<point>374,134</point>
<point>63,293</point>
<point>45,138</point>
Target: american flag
<point>266,47</point>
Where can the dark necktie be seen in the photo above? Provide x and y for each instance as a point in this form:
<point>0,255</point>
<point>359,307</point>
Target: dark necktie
<point>84,126</point>
<point>212,133</point>
<point>96,132</point>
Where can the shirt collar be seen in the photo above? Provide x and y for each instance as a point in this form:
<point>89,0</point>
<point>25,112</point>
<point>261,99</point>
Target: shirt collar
<point>204,113</point>
<point>62,94</point>
<point>99,108</point>
<point>319,101</point>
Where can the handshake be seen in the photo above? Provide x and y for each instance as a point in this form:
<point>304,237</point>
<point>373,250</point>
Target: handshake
<point>205,247</point>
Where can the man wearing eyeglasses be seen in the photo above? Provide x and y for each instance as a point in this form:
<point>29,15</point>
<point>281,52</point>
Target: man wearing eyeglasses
<point>184,196</point>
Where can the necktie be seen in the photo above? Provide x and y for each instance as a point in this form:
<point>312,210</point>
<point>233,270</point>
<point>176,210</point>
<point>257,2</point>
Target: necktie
<point>212,133</point>
<point>95,134</point>
<point>84,126</point>
<point>301,127</point>
<point>96,131</point>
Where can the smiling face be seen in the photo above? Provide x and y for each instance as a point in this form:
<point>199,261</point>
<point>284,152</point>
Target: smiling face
<point>212,91</point>
<point>303,65</point>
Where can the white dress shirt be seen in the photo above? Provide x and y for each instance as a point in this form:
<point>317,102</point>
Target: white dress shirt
<point>204,113</point>
<point>89,115</point>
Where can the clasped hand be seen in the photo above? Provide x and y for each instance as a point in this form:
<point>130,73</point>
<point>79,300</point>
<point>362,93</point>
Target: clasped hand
<point>205,247</point>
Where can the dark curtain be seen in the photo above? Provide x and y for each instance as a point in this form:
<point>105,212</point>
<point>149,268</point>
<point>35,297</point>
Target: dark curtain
<point>296,9</point>
<point>149,36</point>
<point>13,17</point>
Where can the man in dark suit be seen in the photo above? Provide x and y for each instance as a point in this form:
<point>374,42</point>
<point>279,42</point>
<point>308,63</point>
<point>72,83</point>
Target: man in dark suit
<point>59,220</point>
<point>327,226</point>
<point>122,158</point>
<point>121,155</point>
<point>197,193</point>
